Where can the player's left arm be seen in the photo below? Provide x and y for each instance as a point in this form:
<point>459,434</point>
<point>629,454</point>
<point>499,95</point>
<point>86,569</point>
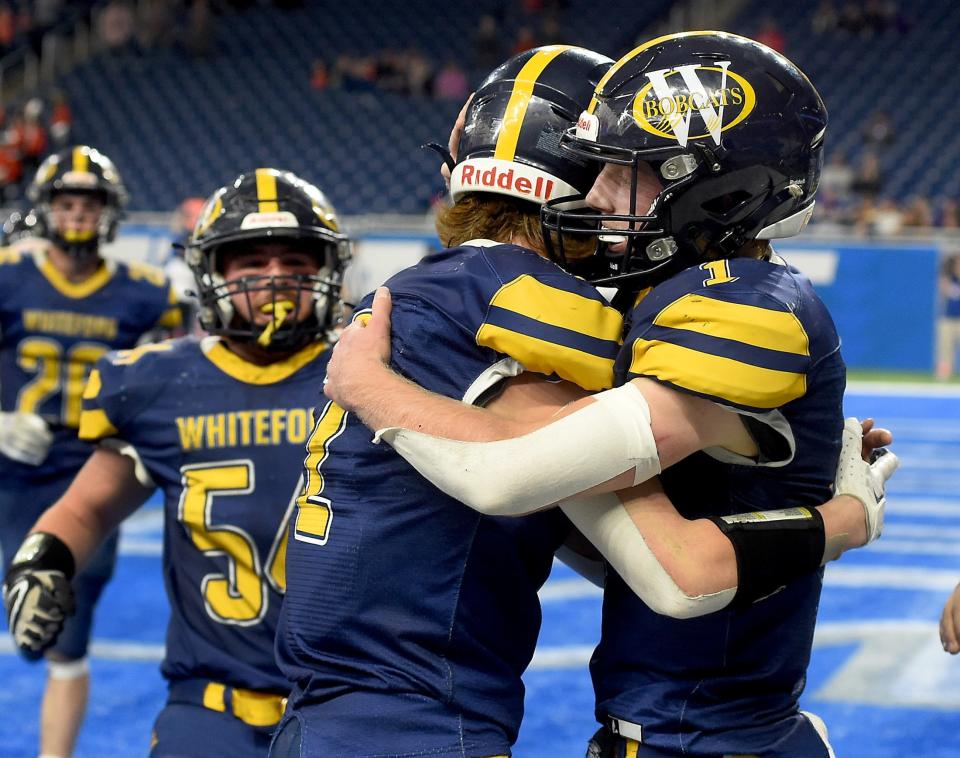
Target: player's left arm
<point>685,568</point>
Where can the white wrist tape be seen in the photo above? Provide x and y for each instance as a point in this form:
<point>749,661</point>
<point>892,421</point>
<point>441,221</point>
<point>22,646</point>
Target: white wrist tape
<point>511,477</point>
<point>604,521</point>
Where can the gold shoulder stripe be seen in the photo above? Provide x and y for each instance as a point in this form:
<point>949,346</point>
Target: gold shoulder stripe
<point>630,56</point>
<point>95,425</point>
<point>267,191</point>
<point>93,386</point>
<point>530,297</point>
<point>591,372</point>
<point>520,100</point>
<point>715,376</point>
<point>747,324</point>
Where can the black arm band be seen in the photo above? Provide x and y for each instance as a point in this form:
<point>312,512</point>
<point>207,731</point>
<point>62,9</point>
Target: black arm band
<point>46,552</point>
<point>773,548</point>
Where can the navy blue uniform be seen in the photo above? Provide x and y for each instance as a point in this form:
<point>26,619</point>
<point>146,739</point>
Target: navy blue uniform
<point>223,440</point>
<point>409,617</point>
<point>753,336</point>
<point>51,333</point>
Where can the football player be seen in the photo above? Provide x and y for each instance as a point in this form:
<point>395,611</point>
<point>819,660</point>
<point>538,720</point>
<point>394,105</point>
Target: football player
<point>710,145</point>
<point>427,612</point>
<point>62,306</point>
<point>218,425</point>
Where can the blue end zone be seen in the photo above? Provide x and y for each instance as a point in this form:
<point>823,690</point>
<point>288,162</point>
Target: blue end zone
<point>878,676</point>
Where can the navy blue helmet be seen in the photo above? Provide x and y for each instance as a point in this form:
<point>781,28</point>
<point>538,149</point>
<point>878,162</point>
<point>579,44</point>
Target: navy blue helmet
<point>734,132</point>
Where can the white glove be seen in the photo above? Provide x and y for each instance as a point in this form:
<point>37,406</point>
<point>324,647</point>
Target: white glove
<point>24,437</point>
<point>862,480</point>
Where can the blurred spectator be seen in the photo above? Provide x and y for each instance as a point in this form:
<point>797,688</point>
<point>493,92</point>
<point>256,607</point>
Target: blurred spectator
<point>770,35</point>
<point>878,131</point>
<point>353,73</point>
<point>319,76</point>
<point>450,83</point>
<point>33,136</point>
<point>391,71</point>
<point>61,121</point>
<point>851,18</point>
<point>158,24</point>
<point>419,73</point>
<point>948,216</point>
<point>525,40</point>
<point>824,18</point>
<point>887,219</point>
<point>918,214</point>
<point>8,27</point>
<point>868,179</point>
<point>837,176</point>
<point>878,15</point>
<point>11,171</point>
<point>948,322</point>
<point>46,13</point>
<point>199,39</point>
<point>115,24</point>
<point>487,44</point>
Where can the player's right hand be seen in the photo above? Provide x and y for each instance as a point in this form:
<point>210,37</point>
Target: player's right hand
<point>37,603</point>
<point>24,437</point>
<point>364,346</point>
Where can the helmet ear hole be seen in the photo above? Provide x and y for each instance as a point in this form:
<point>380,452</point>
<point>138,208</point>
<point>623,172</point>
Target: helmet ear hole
<point>720,206</point>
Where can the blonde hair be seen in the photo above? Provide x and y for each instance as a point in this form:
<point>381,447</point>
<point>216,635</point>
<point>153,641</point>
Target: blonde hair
<point>479,215</point>
<point>487,216</point>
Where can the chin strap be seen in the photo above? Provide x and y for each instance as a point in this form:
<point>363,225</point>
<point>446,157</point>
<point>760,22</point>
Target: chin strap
<point>280,310</point>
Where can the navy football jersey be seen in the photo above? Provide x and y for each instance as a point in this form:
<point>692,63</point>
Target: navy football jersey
<point>753,336</point>
<point>401,600</point>
<point>223,439</point>
<point>53,330</point>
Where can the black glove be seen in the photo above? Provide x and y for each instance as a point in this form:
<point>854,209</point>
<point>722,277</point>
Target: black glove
<point>37,593</point>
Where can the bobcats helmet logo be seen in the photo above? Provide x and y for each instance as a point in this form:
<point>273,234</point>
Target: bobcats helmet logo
<point>679,102</point>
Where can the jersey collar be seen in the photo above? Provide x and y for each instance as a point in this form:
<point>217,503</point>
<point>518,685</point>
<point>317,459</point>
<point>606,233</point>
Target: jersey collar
<point>234,366</point>
<point>73,290</point>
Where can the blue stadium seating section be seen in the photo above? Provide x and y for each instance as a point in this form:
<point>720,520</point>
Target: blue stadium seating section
<point>176,126</point>
<point>908,75</point>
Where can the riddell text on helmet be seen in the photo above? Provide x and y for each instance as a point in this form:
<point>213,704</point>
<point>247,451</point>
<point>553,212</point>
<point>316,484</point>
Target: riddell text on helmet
<point>539,187</point>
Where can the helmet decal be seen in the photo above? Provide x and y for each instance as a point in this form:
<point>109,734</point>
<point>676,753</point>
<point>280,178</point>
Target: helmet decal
<point>510,144</point>
<point>667,110</point>
<point>520,100</point>
<point>267,191</point>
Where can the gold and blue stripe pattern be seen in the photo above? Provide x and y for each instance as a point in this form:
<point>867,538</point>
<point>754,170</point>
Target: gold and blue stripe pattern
<point>737,353</point>
<point>553,331</point>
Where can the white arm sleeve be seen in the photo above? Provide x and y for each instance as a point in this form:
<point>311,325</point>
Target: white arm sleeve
<point>511,477</point>
<point>604,521</point>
